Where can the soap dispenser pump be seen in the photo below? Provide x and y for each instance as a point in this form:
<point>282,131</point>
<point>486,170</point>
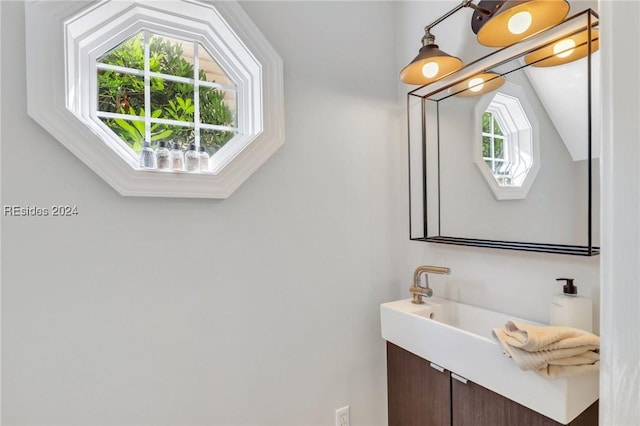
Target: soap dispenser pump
<point>569,309</point>
<point>568,289</point>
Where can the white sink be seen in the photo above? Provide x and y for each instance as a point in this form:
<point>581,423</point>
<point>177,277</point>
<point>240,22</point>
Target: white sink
<point>458,337</point>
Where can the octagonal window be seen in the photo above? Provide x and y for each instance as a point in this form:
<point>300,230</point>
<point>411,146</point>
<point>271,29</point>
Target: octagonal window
<point>507,149</point>
<point>116,81</point>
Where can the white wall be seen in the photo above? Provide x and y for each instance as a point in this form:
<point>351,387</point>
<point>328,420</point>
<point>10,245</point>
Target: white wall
<point>513,282</point>
<point>260,309</point>
<point>620,372</point>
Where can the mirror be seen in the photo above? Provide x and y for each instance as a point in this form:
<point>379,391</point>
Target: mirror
<point>506,156</point>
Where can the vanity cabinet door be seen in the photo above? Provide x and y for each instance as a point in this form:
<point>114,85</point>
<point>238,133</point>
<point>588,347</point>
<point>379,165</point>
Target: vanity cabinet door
<point>418,394</point>
<point>475,405</point>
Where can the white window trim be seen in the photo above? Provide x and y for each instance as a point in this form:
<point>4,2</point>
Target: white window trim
<point>50,34</point>
<point>517,126</point>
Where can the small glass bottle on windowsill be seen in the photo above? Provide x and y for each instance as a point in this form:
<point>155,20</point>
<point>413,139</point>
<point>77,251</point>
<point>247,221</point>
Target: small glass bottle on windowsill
<point>177,158</point>
<point>147,157</point>
<point>203,158</point>
<point>163,160</point>
<point>191,162</point>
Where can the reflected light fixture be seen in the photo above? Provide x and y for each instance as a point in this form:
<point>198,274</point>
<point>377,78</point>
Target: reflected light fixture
<point>565,50</point>
<point>431,64</point>
<point>511,21</point>
<point>478,85</point>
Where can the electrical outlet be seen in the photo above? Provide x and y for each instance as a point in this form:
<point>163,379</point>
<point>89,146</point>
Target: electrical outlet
<point>342,416</point>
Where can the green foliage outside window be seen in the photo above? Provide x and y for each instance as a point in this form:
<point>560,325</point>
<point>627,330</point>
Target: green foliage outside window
<point>497,137</point>
<point>123,93</point>
<point>486,122</point>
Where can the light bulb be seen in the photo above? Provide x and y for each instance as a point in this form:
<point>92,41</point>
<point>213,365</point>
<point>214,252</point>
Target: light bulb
<point>564,48</point>
<point>519,23</point>
<point>430,69</point>
<point>476,84</point>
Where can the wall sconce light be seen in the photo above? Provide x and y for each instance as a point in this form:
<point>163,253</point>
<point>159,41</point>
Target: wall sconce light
<point>511,21</point>
<point>431,64</point>
<point>566,50</point>
<point>499,23</point>
<point>478,85</point>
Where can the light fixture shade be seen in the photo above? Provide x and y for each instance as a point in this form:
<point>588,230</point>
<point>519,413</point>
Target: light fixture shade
<point>565,50</point>
<point>478,85</point>
<point>515,20</point>
<point>414,73</point>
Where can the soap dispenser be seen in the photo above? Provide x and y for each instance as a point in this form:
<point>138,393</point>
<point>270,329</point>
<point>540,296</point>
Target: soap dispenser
<point>569,309</point>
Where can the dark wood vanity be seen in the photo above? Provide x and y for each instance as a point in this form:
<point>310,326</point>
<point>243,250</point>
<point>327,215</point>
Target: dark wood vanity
<point>421,394</point>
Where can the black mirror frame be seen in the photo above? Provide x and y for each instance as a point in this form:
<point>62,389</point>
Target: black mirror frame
<point>436,237</point>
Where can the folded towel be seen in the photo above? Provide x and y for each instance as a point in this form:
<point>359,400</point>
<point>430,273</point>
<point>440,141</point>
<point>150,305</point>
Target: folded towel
<point>532,338</point>
<point>550,351</point>
<point>558,371</point>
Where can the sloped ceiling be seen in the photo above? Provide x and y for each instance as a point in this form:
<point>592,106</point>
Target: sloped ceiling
<point>562,91</point>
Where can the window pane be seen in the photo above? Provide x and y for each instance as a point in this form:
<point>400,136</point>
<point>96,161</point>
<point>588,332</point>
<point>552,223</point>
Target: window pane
<point>496,127</point>
<point>210,70</point>
<point>120,93</point>
<point>183,136</point>
<point>133,133</point>
<point>486,122</point>
<point>486,146</point>
<point>124,93</point>
<point>172,100</point>
<point>130,131</point>
<point>498,144</point>
<point>213,140</point>
<point>490,165</point>
<point>171,56</point>
<point>217,107</point>
<point>128,54</point>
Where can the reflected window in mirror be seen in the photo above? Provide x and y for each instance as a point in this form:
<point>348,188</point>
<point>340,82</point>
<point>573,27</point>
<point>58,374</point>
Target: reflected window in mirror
<point>506,148</point>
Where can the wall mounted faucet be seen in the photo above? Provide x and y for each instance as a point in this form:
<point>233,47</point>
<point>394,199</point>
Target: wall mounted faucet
<point>419,291</point>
